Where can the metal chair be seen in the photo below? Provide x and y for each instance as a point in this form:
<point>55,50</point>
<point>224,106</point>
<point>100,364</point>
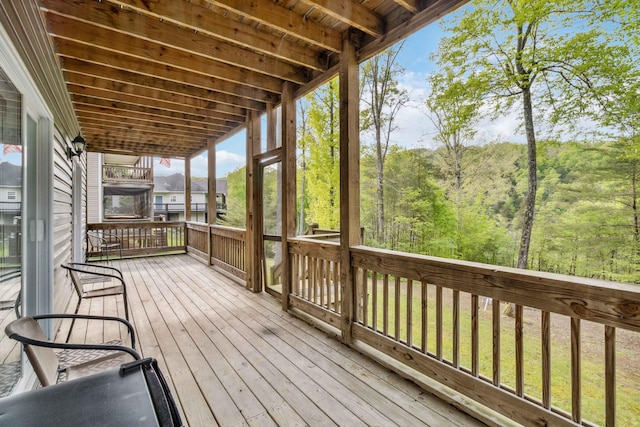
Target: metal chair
<point>93,281</point>
<point>103,244</point>
<point>76,360</point>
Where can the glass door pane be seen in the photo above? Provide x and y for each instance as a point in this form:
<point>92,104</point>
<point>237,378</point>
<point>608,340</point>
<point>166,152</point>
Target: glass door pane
<point>10,226</point>
<point>272,227</point>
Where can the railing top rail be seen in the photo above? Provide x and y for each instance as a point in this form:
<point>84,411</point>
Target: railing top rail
<point>133,224</point>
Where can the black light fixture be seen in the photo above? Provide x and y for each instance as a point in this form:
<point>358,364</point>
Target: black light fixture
<point>78,146</point>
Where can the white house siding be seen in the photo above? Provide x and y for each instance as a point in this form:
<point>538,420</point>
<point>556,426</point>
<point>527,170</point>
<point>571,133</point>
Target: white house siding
<point>94,188</point>
<point>62,221</point>
<point>26,35</point>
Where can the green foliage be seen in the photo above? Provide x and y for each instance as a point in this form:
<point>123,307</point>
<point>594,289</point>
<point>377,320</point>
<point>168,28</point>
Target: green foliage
<point>236,199</point>
<point>322,162</point>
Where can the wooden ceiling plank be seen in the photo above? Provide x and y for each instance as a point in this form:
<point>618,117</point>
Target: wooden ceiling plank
<point>410,5</point>
<point>120,146</point>
<point>129,123</point>
<point>101,91</point>
<point>116,44</point>
<point>144,113</point>
<point>142,138</point>
<point>229,93</point>
<point>204,21</point>
<point>351,13</point>
<point>282,19</point>
<point>205,98</point>
<point>94,20</point>
<point>179,139</point>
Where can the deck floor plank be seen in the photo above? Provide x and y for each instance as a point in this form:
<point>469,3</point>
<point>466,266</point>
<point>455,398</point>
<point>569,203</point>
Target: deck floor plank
<point>234,358</point>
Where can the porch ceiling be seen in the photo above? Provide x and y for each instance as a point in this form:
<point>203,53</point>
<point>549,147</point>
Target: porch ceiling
<point>162,77</point>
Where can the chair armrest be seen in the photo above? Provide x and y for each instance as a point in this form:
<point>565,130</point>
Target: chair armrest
<point>92,269</point>
<point>91,317</point>
<point>68,346</point>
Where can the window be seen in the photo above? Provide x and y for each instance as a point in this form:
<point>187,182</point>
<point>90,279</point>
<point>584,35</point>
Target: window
<point>174,198</point>
<point>11,195</point>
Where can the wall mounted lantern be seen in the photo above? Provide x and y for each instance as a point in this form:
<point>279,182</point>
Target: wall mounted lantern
<point>78,146</point>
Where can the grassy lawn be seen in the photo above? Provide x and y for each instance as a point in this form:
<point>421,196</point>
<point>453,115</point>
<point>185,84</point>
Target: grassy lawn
<point>593,384</point>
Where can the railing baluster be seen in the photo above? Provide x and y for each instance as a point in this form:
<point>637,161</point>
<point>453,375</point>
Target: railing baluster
<point>321,284</point>
<point>456,328</point>
<point>337,289</point>
<point>365,297</point>
<point>475,342</point>
<point>610,375</point>
<point>425,316</point>
<point>385,304</point>
<point>519,353</point>
<point>374,300</point>
<point>546,359</point>
<point>439,322</point>
<point>396,310</point>
<point>409,313</point>
<point>576,368</point>
<point>495,314</point>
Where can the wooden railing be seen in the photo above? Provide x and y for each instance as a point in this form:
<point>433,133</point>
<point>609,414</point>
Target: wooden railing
<point>112,173</point>
<point>221,246</point>
<point>143,238</point>
<point>552,363</point>
<point>315,273</point>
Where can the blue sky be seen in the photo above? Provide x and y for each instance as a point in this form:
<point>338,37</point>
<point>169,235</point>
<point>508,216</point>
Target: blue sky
<point>414,57</point>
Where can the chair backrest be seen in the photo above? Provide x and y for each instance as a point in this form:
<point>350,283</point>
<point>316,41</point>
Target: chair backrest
<point>75,279</point>
<point>95,241</point>
<point>43,359</point>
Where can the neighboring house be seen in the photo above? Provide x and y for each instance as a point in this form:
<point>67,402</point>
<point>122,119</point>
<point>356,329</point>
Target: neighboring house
<point>10,192</point>
<point>169,197</point>
<point>120,188</point>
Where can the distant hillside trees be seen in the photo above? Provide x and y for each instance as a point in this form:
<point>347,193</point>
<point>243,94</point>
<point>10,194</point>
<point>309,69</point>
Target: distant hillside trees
<point>525,55</point>
<point>382,98</point>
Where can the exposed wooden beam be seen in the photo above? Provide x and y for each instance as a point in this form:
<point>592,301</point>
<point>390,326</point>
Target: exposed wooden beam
<point>108,122</point>
<point>244,97</point>
<point>90,21</point>
<point>410,5</point>
<point>282,19</point>
<point>352,13</point>
<point>122,48</point>
<point>122,145</point>
<point>195,96</point>
<point>105,89</point>
<point>202,20</point>
<point>83,103</point>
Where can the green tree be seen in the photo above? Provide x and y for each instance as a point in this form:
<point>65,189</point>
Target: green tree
<point>383,99</point>
<point>453,105</point>
<point>525,54</point>
<point>323,166</point>
<point>236,199</point>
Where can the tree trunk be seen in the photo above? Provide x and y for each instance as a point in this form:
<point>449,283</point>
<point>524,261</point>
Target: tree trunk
<point>530,202</point>
<point>380,189</point>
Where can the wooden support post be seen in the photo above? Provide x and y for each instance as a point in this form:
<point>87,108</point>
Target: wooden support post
<point>187,189</point>
<point>253,239</point>
<point>212,191</point>
<point>288,188</point>
<point>272,132</point>
<point>349,179</point>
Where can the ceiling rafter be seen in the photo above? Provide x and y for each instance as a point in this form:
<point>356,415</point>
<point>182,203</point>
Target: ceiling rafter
<point>93,24</point>
<point>282,19</point>
<point>351,13</point>
<point>200,19</point>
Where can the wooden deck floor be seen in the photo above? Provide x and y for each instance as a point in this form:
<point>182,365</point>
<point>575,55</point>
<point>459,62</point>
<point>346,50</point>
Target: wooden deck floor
<point>234,358</point>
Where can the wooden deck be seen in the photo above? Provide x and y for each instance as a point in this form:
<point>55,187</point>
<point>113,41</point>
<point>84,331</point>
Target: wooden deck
<point>234,358</point>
